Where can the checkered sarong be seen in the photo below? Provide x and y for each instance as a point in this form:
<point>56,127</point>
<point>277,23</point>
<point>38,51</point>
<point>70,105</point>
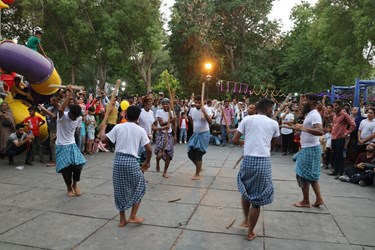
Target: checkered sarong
<point>254,180</point>
<point>67,155</point>
<point>308,163</point>
<point>168,147</point>
<point>128,181</point>
<point>199,141</point>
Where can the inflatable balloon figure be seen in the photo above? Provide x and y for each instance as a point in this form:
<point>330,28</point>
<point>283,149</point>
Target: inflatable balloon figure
<point>39,72</point>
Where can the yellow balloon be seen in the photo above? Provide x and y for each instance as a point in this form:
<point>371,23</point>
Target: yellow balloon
<point>3,5</point>
<point>124,105</point>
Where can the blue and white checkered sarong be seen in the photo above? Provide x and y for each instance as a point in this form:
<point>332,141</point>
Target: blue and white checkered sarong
<point>128,181</point>
<point>254,180</point>
<point>308,163</point>
<point>67,155</point>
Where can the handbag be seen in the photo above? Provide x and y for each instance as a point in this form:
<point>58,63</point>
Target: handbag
<point>6,123</point>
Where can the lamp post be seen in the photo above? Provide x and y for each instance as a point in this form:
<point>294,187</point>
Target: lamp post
<point>218,89</point>
<point>208,67</point>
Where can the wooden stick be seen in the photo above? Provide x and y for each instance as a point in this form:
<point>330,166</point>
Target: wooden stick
<point>231,222</point>
<point>64,87</point>
<point>281,108</point>
<point>202,98</point>
<point>238,161</point>
<point>113,96</point>
<point>174,200</point>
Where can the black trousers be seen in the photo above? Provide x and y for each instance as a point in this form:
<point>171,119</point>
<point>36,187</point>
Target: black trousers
<point>71,174</point>
<point>338,155</point>
<point>287,141</point>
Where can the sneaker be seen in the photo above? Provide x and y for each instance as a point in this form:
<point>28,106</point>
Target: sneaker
<point>363,183</point>
<point>344,178</point>
<point>338,176</point>
<point>222,145</point>
<point>185,142</point>
<point>180,142</point>
<point>231,145</point>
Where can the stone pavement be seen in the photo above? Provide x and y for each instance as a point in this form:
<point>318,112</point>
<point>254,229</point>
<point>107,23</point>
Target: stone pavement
<point>35,212</point>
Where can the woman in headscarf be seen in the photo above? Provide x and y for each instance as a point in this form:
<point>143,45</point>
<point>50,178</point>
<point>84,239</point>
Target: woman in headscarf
<point>7,126</point>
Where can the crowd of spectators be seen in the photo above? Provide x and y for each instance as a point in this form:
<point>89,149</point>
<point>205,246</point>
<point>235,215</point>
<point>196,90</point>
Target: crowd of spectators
<point>346,145</point>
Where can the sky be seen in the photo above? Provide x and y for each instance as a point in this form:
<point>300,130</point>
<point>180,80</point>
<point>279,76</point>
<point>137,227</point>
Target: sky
<point>281,10</point>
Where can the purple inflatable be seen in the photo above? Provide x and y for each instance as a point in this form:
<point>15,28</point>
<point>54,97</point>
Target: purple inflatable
<point>27,62</point>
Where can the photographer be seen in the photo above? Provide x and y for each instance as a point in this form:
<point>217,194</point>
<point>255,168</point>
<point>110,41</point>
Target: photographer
<point>19,142</point>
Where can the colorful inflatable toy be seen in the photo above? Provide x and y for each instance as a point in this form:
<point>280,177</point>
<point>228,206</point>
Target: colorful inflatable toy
<point>38,70</point>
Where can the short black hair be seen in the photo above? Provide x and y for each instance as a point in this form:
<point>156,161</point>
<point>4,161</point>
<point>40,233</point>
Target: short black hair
<point>264,104</point>
<point>338,102</point>
<point>197,98</point>
<point>133,113</point>
<point>38,32</point>
<point>311,97</point>
<point>20,125</point>
<point>75,110</point>
<point>33,108</point>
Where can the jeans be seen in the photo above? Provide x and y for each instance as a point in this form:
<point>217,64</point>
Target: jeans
<point>215,139</point>
<point>13,150</point>
<point>224,134</point>
<point>183,134</point>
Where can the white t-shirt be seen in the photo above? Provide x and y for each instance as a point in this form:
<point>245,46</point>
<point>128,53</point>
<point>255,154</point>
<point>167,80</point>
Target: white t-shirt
<point>66,128</point>
<point>199,124</point>
<point>164,116</point>
<point>307,139</point>
<point>328,139</point>
<point>259,131</point>
<point>288,118</point>
<point>367,127</point>
<point>183,123</point>
<point>146,119</point>
<point>128,137</point>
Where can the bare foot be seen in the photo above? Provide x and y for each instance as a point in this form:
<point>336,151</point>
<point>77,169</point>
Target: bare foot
<point>77,190</point>
<point>195,177</point>
<point>136,220</point>
<point>318,204</point>
<point>301,204</point>
<point>245,224</point>
<point>165,175</point>
<point>122,223</point>
<point>71,193</point>
<point>251,236</point>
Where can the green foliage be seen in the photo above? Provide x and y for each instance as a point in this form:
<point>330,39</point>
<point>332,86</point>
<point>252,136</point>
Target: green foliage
<point>165,79</point>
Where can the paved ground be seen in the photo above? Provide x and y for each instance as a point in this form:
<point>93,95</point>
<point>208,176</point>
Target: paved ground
<point>35,212</point>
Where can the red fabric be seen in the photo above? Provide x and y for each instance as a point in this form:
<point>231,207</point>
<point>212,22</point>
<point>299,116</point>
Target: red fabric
<point>340,124</point>
<point>8,79</point>
<point>363,158</point>
<point>33,123</point>
<point>186,122</point>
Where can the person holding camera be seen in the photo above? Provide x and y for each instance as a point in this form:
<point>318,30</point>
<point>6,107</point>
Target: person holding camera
<point>19,142</point>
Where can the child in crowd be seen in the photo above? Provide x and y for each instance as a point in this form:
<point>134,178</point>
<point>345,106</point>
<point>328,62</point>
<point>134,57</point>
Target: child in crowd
<point>34,122</point>
<point>91,125</point>
<point>328,146</point>
<point>184,121</point>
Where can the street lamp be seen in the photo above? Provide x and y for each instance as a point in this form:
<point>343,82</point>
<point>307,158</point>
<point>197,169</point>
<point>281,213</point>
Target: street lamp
<point>208,67</point>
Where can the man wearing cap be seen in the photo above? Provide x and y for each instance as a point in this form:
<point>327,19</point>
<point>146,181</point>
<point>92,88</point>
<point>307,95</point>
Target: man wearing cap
<point>164,138</point>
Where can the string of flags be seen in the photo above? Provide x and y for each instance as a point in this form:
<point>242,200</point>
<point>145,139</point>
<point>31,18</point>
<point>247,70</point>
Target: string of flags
<point>245,88</point>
